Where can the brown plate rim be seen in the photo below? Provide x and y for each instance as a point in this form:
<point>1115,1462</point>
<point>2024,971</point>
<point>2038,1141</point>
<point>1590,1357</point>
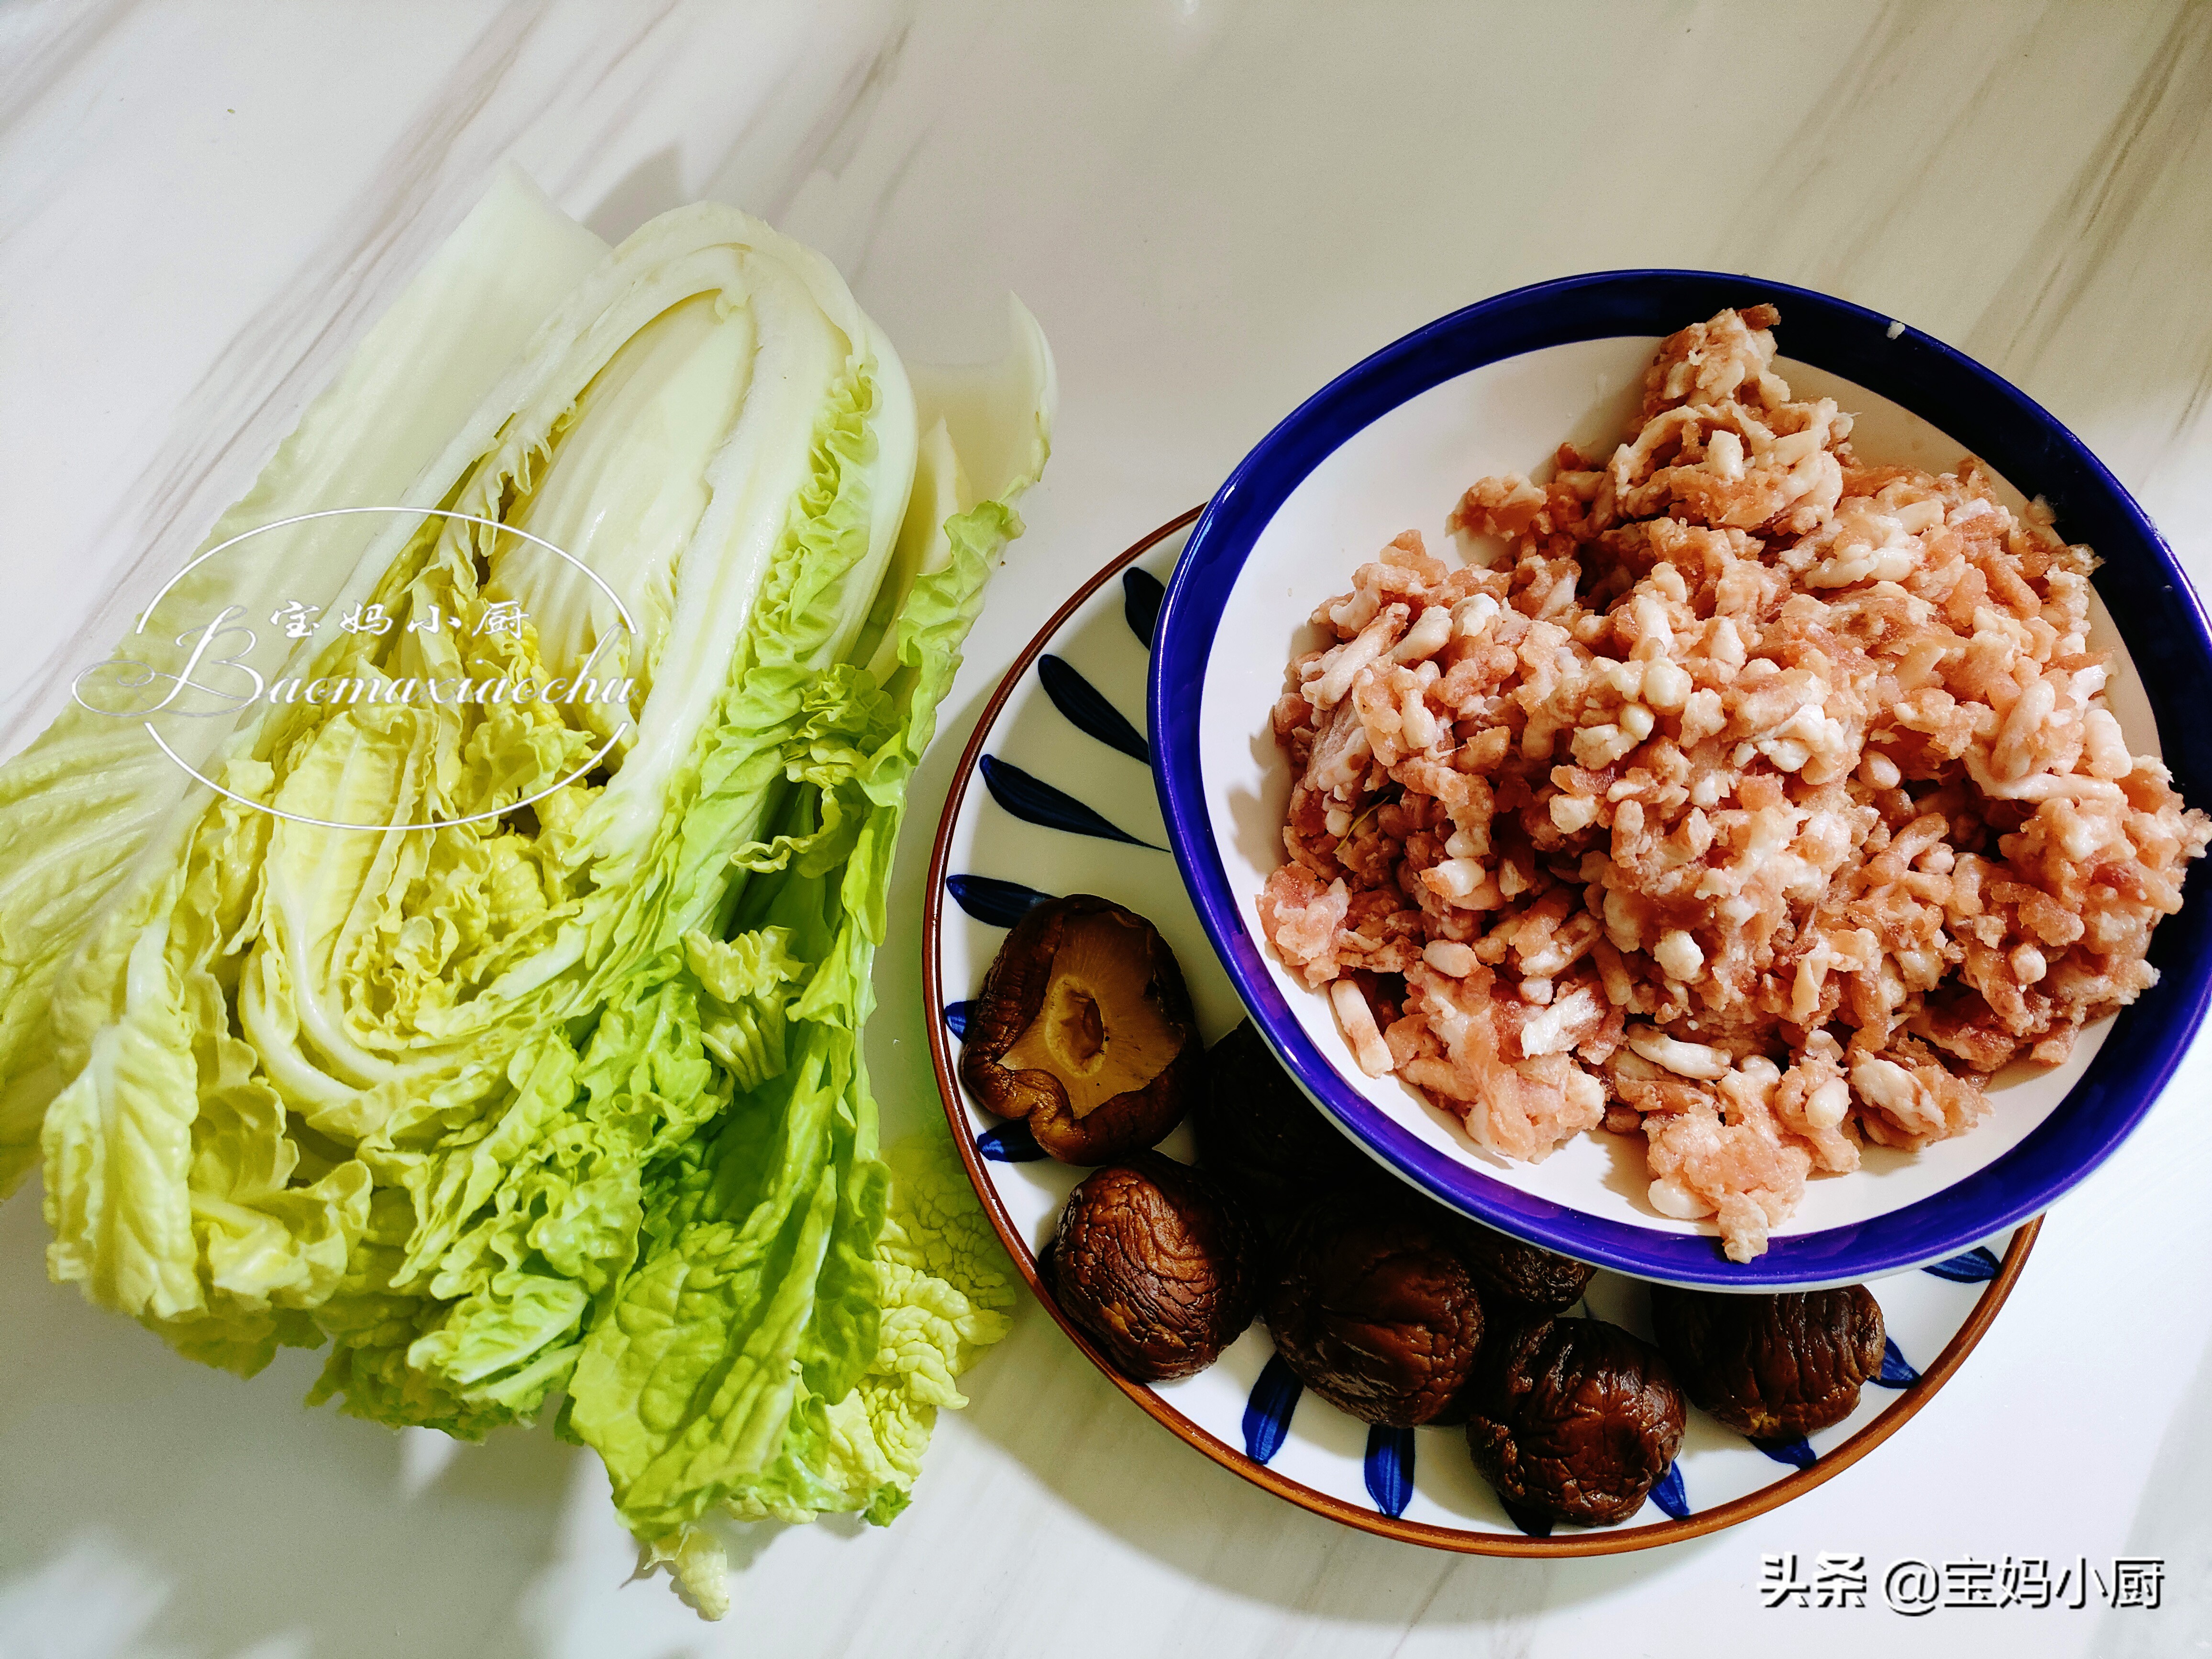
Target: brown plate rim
<point>1596,1542</point>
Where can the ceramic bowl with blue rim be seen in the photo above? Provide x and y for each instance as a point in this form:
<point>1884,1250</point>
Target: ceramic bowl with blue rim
<point>1053,796</point>
<point>1391,445</point>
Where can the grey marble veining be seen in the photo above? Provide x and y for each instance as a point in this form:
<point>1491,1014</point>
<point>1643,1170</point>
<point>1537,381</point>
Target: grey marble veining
<point>1212,208</point>
<point>2116,199</point>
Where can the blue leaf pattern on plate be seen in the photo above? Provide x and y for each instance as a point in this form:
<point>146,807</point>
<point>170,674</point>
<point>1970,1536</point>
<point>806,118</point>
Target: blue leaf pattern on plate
<point>1390,1468</point>
<point>1796,1450</point>
<point>1035,801</point>
<point>1669,1495</point>
<point>1977,1264</point>
<point>1087,710</point>
<point>999,903</point>
<point>956,1016</point>
<point>1267,1414</point>
<point>1897,1371</point>
<point>1532,1522</point>
<point>1142,594</point>
<point>1009,1143</point>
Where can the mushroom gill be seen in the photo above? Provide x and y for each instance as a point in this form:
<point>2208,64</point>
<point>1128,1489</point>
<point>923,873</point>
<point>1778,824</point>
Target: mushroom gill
<point>1097,1030</point>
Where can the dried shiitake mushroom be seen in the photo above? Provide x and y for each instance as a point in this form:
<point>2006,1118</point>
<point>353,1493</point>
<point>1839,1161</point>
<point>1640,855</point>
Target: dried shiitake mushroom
<point>1533,1279</point>
<point>1257,1130</point>
<point>1084,1027</point>
<point>1574,1418</point>
<point>1774,1365</point>
<point>1374,1309</point>
<point>1157,1263</point>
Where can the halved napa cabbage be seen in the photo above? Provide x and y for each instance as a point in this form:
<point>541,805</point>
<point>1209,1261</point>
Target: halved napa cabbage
<point>492,1011</point>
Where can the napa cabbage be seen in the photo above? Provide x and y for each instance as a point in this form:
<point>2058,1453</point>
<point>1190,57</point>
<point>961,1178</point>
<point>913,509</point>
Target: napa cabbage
<point>484,1008</point>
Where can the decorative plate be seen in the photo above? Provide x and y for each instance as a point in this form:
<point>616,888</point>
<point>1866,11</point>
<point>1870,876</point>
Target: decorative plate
<point>1066,805</point>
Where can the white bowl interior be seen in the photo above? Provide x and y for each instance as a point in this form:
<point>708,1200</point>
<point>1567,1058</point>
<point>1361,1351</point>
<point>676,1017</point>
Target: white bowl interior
<point>1407,471</point>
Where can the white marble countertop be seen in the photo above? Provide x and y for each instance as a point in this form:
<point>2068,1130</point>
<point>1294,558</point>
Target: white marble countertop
<point>1213,206</point>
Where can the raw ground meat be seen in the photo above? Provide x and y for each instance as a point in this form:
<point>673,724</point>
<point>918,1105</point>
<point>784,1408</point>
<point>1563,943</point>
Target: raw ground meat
<point>1733,791</point>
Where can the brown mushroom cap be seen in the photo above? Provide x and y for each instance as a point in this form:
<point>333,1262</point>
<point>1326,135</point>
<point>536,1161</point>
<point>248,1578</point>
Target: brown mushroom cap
<point>1775,1365</point>
<point>1531,1278</point>
<point>1574,1418</point>
<point>1257,1130</point>
<point>1157,1264</point>
<point>1083,1027</point>
<point>1374,1309</point>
